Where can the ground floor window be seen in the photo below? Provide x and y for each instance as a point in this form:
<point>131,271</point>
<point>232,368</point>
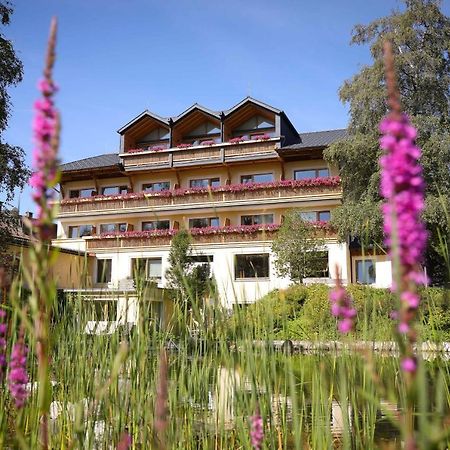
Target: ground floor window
<point>149,269</point>
<point>319,267</point>
<point>365,271</point>
<point>104,270</point>
<point>251,266</point>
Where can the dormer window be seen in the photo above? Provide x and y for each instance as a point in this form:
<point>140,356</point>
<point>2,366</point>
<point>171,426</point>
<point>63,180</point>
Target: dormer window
<point>157,138</point>
<point>257,125</point>
<point>207,132</point>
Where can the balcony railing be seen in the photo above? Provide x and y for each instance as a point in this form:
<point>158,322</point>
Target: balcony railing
<point>208,235</point>
<point>206,196</point>
<point>209,154</point>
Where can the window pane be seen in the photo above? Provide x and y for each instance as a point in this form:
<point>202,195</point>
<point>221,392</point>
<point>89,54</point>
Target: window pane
<point>74,194</point>
<point>159,186</point>
<point>263,177</point>
<point>73,232</point>
<point>104,270</point>
<point>214,222</point>
<point>214,182</point>
<point>156,225</point>
<point>247,179</point>
<point>365,271</point>
<point>198,223</point>
<point>324,216</point>
<point>107,228</point>
<point>246,220</point>
<point>323,173</point>
<point>123,189</point>
<point>304,174</point>
<point>252,266</point>
<point>199,183</point>
<point>86,193</point>
<point>111,190</point>
<point>154,268</point>
<point>85,230</point>
<point>123,227</point>
<point>308,216</point>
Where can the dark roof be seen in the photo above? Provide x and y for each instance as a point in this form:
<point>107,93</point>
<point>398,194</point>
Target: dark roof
<point>319,139</point>
<point>94,162</point>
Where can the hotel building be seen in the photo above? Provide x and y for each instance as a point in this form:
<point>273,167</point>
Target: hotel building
<point>227,176</point>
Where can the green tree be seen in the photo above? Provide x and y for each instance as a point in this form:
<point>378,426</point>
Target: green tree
<point>13,172</point>
<point>420,35</point>
<point>299,249</point>
<point>191,281</point>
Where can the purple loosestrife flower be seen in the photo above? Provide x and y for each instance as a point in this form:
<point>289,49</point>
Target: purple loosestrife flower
<point>257,431</point>
<point>125,442</point>
<point>18,377</point>
<point>403,188</point>
<point>3,331</point>
<point>342,308</point>
<point>46,141</point>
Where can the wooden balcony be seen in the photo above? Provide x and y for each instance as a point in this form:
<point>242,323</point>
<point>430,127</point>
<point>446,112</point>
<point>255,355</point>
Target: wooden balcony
<point>222,235</point>
<point>287,190</point>
<point>191,156</point>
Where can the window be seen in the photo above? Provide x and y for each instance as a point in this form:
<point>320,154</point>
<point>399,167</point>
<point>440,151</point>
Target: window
<point>80,231</point>
<point>315,216</point>
<point>257,178</point>
<point>148,268</point>
<point>113,227</point>
<point>311,173</point>
<point>104,267</point>
<point>154,187</point>
<point>77,193</point>
<point>156,225</point>
<point>114,190</point>
<point>205,182</point>
<point>257,219</point>
<point>251,266</point>
<point>365,271</point>
<point>318,266</point>
<point>204,222</point>
<point>255,123</point>
<point>323,216</point>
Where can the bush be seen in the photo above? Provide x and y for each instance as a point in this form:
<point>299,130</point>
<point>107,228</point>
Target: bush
<point>303,313</point>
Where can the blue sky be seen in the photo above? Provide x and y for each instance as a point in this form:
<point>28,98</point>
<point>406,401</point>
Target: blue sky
<point>117,58</point>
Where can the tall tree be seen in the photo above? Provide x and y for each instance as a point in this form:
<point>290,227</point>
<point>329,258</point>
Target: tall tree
<point>13,172</point>
<point>420,35</point>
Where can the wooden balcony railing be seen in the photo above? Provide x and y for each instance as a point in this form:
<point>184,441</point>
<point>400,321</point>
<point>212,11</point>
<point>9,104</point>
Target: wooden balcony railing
<point>215,153</point>
<point>274,190</point>
<point>210,235</point>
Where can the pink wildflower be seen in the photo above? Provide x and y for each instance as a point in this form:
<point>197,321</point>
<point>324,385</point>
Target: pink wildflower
<point>409,364</point>
<point>18,377</point>
<point>341,307</point>
<point>257,431</point>
<point>125,442</point>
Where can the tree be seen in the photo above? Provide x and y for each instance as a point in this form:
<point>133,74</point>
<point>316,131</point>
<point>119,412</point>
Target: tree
<point>420,35</point>
<point>13,172</point>
<point>299,249</point>
<point>190,280</point>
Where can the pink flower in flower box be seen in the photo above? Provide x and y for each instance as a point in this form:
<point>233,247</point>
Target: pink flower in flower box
<point>184,145</point>
<point>135,150</point>
<point>210,142</point>
<point>236,140</point>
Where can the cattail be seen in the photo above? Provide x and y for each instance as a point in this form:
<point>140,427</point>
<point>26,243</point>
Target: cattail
<point>403,188</point>
<point>18,377</point>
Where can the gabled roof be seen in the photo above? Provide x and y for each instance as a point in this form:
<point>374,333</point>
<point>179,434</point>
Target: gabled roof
<point>196,106</point>
<point>146,113</point>
<point>255,102</point>
<point>318,139</point>
<point>94,162</point>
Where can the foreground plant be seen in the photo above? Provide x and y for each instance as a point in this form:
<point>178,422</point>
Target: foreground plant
<point>46,127</point>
